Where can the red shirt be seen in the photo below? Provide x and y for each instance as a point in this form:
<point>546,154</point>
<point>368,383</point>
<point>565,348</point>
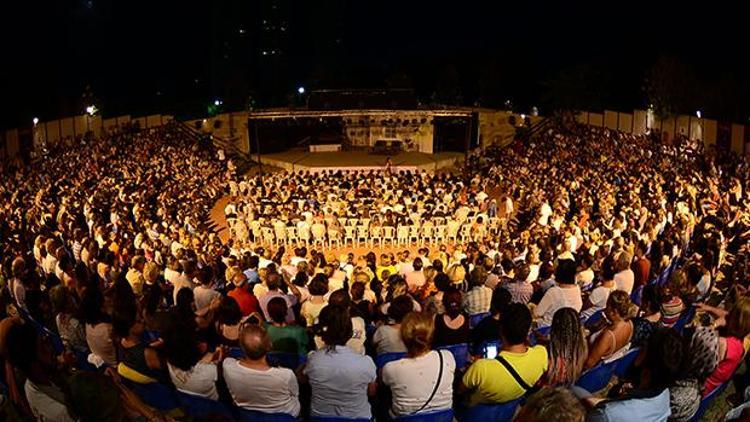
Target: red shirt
<point>247,301</point>
<point>641,269</point>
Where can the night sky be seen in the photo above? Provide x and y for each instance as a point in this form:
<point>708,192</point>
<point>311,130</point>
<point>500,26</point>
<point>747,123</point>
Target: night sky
<point>145,56</point>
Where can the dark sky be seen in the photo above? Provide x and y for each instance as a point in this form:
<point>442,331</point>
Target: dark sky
<point>143,56</point>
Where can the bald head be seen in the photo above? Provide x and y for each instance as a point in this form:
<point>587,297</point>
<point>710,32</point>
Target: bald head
<point>255,342</point>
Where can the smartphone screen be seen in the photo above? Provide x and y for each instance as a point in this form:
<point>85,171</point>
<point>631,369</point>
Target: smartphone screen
<point>490,351</point>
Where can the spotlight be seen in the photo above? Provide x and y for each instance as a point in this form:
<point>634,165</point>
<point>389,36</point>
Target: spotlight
<point>301,90</point>
<point>35,120</point>
<point>698,113</point>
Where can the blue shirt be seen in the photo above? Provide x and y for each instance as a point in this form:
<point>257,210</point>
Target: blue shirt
<point>339,380</point>
<point>252,276</point>
<point>654,408</point>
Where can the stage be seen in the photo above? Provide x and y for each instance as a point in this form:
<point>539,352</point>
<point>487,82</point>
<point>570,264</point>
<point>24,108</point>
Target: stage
<point>360,160</point>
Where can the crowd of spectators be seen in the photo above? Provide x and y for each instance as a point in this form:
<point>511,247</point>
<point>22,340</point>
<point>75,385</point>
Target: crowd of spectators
<point>583,245</point>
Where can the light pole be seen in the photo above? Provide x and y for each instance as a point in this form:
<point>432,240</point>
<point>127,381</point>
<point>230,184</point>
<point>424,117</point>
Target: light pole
<point>300,92</point>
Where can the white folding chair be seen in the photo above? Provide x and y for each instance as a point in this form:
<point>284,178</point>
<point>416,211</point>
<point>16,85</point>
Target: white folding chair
<point>376,233</point>
<point>268,237</point>
<point>427,234</point>
<point>353,221</point>
<point>334,237</point>
<point>280,233</point>
<point>303,234</point>
<point>465,233</point>
<point>363,234</point>
<point>438,233</point>
<point>319,235</point>
<point>414,233</point>
<point>402,235</point>
<point>291,235</point>
<point>350,234</point>
<point>342,221</point>
<point>389,235</point>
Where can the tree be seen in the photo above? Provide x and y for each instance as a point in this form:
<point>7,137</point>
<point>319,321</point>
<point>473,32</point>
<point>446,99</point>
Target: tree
<point>670,87</point>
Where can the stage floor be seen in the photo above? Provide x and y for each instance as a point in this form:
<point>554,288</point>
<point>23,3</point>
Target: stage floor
<point>359,160</point>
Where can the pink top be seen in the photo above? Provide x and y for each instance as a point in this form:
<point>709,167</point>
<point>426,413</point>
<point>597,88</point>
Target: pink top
<point>726,367</point>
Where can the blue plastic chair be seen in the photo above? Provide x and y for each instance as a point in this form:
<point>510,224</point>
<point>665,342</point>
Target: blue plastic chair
<point>503,412</point>
<point>256,416</point>
<point>475,319</point>
<point>434,416</point>
<point>156,395</point>
<point>706,401</point>
<point>625,362</point>
<point>235,352</point>
<point>286,360</point>
<point>383,358</point>
<point>594,318</point>
<point>460,353</point>
<point>337,419</point>
<point>596,378</point>
<point>200,406</point>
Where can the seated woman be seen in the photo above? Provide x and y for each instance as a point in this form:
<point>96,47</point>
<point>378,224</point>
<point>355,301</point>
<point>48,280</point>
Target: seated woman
<point>190,370</point>
<point>648,318</point>
<point>318,288</point>
<point>387,338</point>
<point>423,381</point>
<point>736,323</point>
<point>614,340</point>
<point>285,337</point>
<point>567,348</point>
<point>451,327</point>
<point>341,379</point>
<point>650,400</point>
<point>136,354</point>
<point>98,327</point>
<point>228,322</point>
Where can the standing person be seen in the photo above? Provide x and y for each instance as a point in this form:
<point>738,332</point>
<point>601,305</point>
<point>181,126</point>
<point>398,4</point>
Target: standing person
<point>341,379</point>
<point>423,381</point>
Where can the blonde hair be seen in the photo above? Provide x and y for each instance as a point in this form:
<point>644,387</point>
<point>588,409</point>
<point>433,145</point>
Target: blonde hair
<point>738,319</point>
<point>417,331</point>
<point>150,272</point>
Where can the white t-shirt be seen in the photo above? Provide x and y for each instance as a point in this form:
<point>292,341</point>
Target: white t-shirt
<point>47,402</point>
<point>556,298</point>
<point>199,381</point>
<point>271,391</point>
<point>387,339</point>
<point>624,280</point>
<point>585,277</point>
<point>599,296</point>
<point>203,296</point>
<point>412,380</point>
